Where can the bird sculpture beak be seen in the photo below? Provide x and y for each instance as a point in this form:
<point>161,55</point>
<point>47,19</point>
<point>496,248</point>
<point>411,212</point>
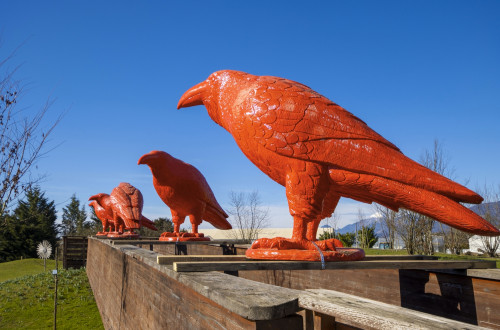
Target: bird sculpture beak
<point>144,159</point>
<point>93,197</point>
<point>193,96</point>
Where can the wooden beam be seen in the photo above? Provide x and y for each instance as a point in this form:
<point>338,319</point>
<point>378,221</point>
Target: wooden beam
<point>170,259</point>
<point>365,313</point>
<point>156,242</point>
<point>299,265</point>
<point>398,257</point>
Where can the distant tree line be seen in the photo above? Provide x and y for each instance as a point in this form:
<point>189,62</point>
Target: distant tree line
<point>34,219</point>
<point>416,230</point>
<point>364,238</point>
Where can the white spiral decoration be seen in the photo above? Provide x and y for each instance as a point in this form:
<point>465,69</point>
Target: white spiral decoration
<point>44,250</point>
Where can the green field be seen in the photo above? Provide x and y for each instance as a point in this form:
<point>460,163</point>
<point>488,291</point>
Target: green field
<point>441,256</point>
<point>27,301</point>
<point>14,269</point>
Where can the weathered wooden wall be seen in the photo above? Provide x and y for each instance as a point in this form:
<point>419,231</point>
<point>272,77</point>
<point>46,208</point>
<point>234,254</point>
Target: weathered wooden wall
<point>470,299</point>
<point>460,297</point>
<point>133,292</point>
<point>74,251</point>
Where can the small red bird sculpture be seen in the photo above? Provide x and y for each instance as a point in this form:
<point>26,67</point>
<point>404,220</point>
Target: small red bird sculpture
<point>108,224</point>
<point>321,152</point>
<point>124,207</point>
<point>185,191</point>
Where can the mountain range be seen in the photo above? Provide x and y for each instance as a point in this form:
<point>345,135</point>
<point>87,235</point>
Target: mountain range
<point>481,209</point>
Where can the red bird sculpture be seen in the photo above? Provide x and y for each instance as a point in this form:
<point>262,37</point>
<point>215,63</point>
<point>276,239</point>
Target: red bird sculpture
<point>185,191</point>
<point>106,219</point>
<point>124,207</point>
<point>321,152</point>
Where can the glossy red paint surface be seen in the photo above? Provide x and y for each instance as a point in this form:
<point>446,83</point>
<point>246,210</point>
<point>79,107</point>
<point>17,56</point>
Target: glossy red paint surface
<point>121,210</point>
<point>186,192</point>
<point>321,152</point>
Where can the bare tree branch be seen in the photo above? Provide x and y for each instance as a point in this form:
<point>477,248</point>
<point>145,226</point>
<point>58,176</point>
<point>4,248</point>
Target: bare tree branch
<point>22,139</point>
<point>248,216</point>
<point>491,211</point>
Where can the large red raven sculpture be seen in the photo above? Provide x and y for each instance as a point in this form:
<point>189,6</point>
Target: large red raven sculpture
<point>321,152</point>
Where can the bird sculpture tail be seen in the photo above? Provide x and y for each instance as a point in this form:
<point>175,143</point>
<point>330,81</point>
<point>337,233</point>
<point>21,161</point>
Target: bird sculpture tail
<point>392,194</point>
<point>217,218</point>
<point>148,223</point>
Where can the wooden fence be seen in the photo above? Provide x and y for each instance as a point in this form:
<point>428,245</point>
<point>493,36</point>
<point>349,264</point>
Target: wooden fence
<point>74,251</point>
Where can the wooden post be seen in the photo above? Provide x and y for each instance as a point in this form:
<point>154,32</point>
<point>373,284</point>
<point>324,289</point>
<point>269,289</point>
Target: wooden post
<point>55,295</point>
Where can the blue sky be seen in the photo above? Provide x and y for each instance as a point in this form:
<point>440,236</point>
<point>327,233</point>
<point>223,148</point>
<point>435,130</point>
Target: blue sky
<point>414,71</point>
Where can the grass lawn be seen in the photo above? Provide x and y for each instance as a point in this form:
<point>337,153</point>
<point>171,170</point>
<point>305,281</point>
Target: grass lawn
<point>385,252</point>
<point>441,256</point>
<point>13,269</point>
<point>27,302</point>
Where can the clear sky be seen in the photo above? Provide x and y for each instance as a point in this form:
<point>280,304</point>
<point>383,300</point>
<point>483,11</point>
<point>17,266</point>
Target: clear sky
<point>414,71</point>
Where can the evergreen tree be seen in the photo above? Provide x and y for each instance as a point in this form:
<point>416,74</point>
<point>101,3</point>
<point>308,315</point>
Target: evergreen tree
<point>10,240</point>
<point>94,225</point>
<point>327,235</point>
<point>162,224</point>
<point>347,239</point>
<point>73,218</point>
<point>33,221</point>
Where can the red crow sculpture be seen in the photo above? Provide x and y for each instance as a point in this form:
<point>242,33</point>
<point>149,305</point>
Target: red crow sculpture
<point>106,219</point>
<point>124,207</point>
<point>321,152</point>
<point>185,191</point>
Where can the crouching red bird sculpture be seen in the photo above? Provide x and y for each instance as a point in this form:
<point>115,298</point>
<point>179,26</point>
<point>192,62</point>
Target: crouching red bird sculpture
<point>108,224</point>
<point>122,209</point>
<point>186,192</point>
<point>321,152</point>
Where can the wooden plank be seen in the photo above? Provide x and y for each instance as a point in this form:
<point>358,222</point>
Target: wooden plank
<point>137,242</point>
<point>299,265</point>
<point>170,259</point>
<point>399,257</point>
<point>492,274</point>
<point>370,314</point>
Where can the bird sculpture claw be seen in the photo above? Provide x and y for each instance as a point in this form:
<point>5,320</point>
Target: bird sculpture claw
<point>280,248</point>
<point>281,243</point>
<point>182,237</point>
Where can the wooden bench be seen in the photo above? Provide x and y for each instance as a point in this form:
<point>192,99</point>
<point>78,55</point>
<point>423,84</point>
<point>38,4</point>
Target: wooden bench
<point>326,309</point>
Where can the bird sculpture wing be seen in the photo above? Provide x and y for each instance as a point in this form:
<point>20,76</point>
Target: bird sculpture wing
<point>201,190</point>
<point>292,120</point>
<point>128,203</point>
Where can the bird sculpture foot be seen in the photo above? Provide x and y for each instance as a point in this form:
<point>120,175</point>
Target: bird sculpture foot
<point>182,237</point>
<point>102,234</point>
<point>280,248</point>
<point>281,243</point>
<point>130,234</point>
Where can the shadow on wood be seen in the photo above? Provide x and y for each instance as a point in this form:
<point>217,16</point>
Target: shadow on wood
<point>440,294</point>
